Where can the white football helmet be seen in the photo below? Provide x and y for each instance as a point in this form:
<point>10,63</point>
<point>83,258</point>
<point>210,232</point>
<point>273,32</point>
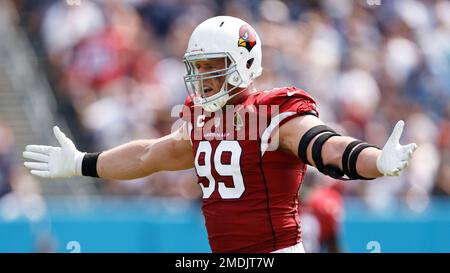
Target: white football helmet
<point>237,43</point>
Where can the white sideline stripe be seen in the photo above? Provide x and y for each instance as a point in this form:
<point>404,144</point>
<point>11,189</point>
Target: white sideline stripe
<point>268,132</point>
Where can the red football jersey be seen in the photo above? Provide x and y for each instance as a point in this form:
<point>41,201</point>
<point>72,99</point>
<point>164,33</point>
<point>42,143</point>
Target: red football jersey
<point>250,188</point>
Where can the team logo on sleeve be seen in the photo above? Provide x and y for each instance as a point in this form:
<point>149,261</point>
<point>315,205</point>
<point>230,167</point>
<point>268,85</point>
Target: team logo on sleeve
<point>247,37</point>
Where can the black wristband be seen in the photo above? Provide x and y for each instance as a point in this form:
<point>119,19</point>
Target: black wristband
<point>89,164</point>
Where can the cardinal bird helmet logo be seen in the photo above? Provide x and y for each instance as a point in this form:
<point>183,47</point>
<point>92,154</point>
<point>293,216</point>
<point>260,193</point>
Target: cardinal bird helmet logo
<point>247,37</point>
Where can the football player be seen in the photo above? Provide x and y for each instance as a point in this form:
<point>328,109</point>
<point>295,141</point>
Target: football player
<point>249,147</point>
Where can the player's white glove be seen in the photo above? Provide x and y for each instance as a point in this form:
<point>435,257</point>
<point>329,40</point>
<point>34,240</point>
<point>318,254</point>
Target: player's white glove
<point>54,162</point>
<point>394,157</point>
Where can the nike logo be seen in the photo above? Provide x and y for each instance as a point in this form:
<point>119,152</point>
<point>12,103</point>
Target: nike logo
<point>289,93</point>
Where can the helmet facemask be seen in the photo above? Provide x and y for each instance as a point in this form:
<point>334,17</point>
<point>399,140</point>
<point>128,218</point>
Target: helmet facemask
<point>195,81</point>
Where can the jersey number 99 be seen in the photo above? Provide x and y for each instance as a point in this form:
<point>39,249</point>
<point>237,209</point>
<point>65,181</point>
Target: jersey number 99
<point>232,169</point>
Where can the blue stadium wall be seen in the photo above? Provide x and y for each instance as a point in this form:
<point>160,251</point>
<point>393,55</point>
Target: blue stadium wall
<point>168,225</point>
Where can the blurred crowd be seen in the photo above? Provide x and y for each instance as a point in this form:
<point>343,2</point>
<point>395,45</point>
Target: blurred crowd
<point>116,69</point>
<point>6,158</point>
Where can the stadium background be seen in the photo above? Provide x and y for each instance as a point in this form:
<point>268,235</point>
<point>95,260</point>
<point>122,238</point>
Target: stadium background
<point>108,72</point>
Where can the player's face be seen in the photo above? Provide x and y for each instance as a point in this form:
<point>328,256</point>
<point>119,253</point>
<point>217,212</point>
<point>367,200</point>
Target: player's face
<point>213,85</point>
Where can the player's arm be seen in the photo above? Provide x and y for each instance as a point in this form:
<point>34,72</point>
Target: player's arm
<point>335,155</point>
<point>128,161</point>
<point>144,157</point>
